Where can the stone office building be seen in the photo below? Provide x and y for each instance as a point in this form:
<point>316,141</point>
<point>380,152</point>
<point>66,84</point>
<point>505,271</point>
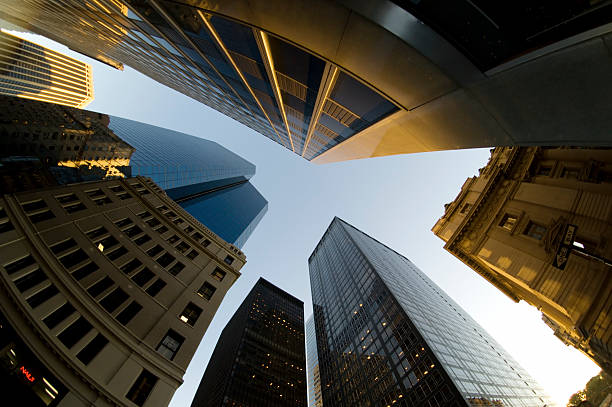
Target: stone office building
<point>537,224</point>
<point>106,291</point>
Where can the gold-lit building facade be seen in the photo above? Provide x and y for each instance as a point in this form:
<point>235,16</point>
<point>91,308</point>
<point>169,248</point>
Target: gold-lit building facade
<point>536,223</point>
<point>339,80</point>
<point>31,71</point>
<point>107,290</point>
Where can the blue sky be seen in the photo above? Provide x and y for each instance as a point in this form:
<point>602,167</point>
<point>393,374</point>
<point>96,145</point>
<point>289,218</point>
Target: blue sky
<point>395,199</point>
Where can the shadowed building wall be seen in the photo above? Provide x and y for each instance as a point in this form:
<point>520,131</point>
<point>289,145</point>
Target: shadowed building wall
<point>259,359</point>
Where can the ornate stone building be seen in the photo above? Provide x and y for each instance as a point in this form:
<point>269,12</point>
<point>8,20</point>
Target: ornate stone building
<point>537,223</point>
<point>106,289</point>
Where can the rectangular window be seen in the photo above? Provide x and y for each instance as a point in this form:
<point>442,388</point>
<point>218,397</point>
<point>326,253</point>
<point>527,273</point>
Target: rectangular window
<point>123,222</point>
<point>161,230</point>
<point>113,300</point>
<point>75,332</point>
<point>535,230</point>
<point>133,231</point>
<point>30,280</point>
<point>63,246</point>
<point>176,268</point>
<point>141,388</point>
<point>142,240</point>
<point>165,259</point>
<point>131,266</point>
<point>144,214</point>
<point>190,314</point>
<point>156,287</point>
<point>97,232</point>
<point>42,296</point>
<point>101,286</point>
<point>75,208</point>
<point>192,254</point>
<point>57,316</point>
<point>72,259</point>
<point>95,193</point>
<point>207,290</point>
<point>143,277</point>
<point>129,313</point>
<point>118,252</point>
<point>155,250</point>
<point>229,259</point>
<point>39,217</point>
<point>153,222</point>
<point>218,274</point>
<point>182,247</point>
<point>173,239</point>
<point>508,222</point>
<point>33,206</point>
<point>197,236</point>
<point>107,243</point>
<point>85,270</point>
<point>18,265</point>
<point>170,345</point>
<point>91,350</point>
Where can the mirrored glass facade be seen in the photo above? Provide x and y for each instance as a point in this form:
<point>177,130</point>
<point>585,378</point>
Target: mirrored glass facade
<point>210,182</point>
<point>259,359</point>
<point>387,335</point>
<point>173,159</point>
<point>288,94</point>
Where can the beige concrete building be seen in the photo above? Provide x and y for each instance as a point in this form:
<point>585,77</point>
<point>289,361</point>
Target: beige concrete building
<point>537,224</point>
<point>106,291</point>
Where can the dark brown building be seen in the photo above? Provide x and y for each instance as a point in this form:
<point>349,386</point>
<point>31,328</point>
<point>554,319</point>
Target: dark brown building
<point>259,359</point>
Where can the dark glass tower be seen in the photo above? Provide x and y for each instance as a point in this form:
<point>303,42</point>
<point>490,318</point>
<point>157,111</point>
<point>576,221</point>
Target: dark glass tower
<point>387,335</point>
<point>259,359</point>
<point>207,180</point>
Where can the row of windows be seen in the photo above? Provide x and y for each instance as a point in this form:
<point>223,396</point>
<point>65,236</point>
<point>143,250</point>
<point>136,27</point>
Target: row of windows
<point>39,211</point>
<point>76,330</point>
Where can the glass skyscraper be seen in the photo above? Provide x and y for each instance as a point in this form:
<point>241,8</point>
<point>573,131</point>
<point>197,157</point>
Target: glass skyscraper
<point>259,359</point>
<point>312,365</point>
<point>207,180</point>
<point>388,335</point>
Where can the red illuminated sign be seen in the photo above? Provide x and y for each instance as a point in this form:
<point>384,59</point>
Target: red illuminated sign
<point>27,374</point>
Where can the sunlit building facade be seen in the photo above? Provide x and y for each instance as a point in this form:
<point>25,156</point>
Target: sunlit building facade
<point>510,224</point>
<point>388,335</point>
<point>338,80</point>
<point>105,295</point>
<point>312,365</point>
<point>31,71</point>
<point>259,359</point>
